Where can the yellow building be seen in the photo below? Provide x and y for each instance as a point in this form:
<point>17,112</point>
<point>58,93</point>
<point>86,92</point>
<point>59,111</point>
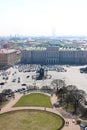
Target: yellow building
<point>9,57</point>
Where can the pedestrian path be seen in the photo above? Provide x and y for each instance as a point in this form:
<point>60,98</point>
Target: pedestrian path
<point>67,117</point>
<point>8,108</point>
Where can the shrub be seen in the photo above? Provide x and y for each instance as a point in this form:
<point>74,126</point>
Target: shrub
<point>78,121</point>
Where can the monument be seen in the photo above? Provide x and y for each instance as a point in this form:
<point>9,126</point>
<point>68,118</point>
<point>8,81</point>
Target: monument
<point>41,74</point>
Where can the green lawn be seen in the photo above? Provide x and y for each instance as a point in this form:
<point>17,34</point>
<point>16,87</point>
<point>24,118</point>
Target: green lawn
<point>34,99</point>
<point>30,120</point>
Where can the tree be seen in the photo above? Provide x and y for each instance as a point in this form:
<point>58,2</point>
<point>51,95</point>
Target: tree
<point>1,98</point>
<point>78,96</point>
<point>71,88</point>
<point>75,96</point>
<point>58,83</point>
<point>7,92</point>
<point>61,93</point>
<point>69,96</point>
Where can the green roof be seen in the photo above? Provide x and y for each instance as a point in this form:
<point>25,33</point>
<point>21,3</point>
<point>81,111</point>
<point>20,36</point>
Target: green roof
<point>35,48</point>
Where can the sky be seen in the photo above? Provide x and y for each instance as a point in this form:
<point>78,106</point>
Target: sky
<point>43,17</point>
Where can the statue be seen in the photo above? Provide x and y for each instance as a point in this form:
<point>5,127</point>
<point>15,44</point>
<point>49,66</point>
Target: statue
<point>40,74</point>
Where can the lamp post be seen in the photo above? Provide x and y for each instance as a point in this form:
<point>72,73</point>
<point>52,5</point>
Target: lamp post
<point>34,85</point>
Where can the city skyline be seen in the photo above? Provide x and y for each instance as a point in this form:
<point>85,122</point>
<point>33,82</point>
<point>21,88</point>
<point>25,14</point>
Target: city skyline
<point>43,17</point>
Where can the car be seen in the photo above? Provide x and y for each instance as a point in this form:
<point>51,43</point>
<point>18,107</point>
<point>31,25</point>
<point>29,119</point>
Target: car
<point>3,77</point>
<point>15,91</point>
<point>2,83</point>
<point>13,80</point>
<point>27,76</point>
<point>23,84</point>
<point>18,81</point>
<point>23,88</point>
<point>57,105</point>
<point>85,128</point>
<point>6,78</point>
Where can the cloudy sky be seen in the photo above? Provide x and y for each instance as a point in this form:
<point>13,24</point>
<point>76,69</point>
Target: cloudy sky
<point>43,17</point>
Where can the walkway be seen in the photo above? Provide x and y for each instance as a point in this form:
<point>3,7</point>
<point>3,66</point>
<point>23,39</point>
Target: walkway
<point>65,115</point>
<point>8,108</point>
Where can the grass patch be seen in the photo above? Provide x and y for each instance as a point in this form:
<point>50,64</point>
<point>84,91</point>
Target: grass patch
<point>30,120</point>
<point>34,99</point>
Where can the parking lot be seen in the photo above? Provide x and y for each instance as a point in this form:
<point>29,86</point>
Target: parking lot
<point>21,76</point>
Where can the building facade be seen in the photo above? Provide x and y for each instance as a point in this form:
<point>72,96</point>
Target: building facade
<point>9,57</point>
<point>48,56</point>
<point>52,55</point>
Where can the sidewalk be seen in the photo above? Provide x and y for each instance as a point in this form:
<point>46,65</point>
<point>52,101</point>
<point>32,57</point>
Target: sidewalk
<point>8,106</point>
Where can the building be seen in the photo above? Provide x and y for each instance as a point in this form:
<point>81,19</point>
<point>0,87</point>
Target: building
<point>53,55</point>
<point>7,46</point>
<point>41,56</point>
<point>73,57</point>
<point>9,57</point>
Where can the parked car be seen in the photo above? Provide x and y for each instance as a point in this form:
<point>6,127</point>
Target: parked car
<point>13,80</point>
<point>27,76</point>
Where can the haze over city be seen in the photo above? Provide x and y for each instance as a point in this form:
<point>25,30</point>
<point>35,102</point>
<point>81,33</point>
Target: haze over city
<point>43,17</point>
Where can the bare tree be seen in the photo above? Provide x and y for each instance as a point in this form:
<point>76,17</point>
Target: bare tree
<point>7,92</point>
<point>75,96</point>
<point>71,88</point>
<point>61,93</point>
<point>58,83</point>
<point>68,97</point>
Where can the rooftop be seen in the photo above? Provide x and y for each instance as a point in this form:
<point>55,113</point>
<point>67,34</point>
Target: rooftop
<point>60,48</point>
<point>35,48</point>
<point>7,51</point>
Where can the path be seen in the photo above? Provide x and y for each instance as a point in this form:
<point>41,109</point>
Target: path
<point>8,108</point>
<point>67,117</point>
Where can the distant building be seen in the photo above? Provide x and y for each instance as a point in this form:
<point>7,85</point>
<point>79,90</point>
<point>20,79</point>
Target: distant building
<point>73,57</point>
<point>5,46</point>
<point>9,57</point>
<point>53,55</point>
<point>41,56</point>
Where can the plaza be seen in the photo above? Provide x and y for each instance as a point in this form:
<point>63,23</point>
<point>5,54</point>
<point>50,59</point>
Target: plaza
<point>71,76</point>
